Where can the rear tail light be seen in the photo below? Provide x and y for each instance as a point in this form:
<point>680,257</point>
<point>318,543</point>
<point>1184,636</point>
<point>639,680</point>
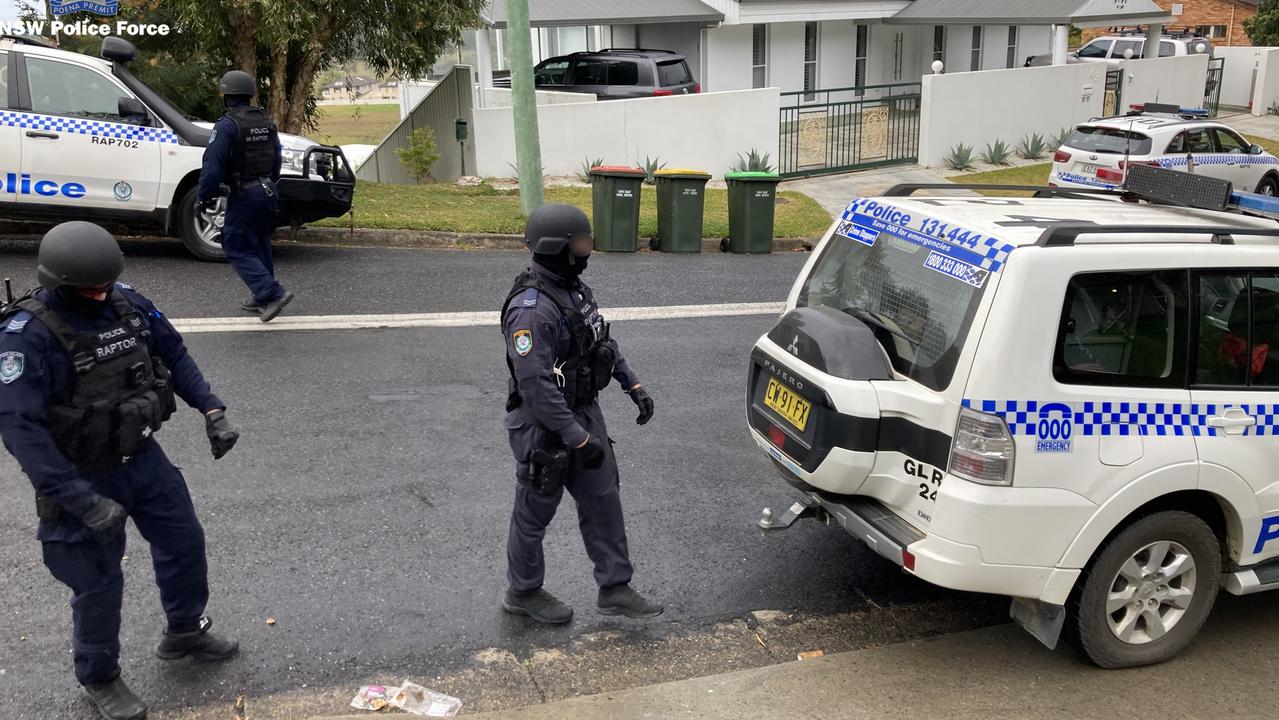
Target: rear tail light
<point>1061,156</point>
<point>697,88</point>
<point>776,436</point>
<point>983,451</point>
<point>662,93</point>
<point>1110,175</point>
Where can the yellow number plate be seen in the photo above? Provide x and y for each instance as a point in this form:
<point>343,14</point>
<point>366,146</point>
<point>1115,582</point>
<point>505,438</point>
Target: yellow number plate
<point>790,406</point>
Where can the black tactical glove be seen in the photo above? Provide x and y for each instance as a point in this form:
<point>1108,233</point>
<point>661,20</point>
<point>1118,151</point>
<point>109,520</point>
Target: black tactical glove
<point>222,436</point>
<point>645,404</point>
<point>103,518</point>
<point>591,455</point>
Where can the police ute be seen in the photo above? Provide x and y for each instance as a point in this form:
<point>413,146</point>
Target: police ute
<point>1098,152</point>
<point>85,139</point>
<point>1069,398</point>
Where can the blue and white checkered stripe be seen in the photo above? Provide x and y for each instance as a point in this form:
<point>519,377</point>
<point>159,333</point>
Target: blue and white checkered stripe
<point>1217,159</point>
<point>79,126</point>
<point>995,251</point>
<point>1127,418</point>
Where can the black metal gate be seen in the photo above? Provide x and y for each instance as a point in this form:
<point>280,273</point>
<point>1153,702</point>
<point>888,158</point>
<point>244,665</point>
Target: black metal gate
<point>1212,90</point>
<point>1114,101</point>
<point>845,129</point>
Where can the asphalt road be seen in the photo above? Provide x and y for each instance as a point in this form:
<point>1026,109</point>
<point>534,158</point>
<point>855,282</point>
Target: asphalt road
<point>365,509</point>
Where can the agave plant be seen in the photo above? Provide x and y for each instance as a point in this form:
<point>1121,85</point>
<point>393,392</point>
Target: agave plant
<point>1032,146</point>
<point>960,157</point>
<point>584,174</point>
<point>753,162</point>
<point>1062,136</point>
<point>651,166</point>
<point>996,154</point>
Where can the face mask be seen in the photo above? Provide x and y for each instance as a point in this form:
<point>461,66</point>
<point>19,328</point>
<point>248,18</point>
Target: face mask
<point>565,264</point>
<point>80,304</point>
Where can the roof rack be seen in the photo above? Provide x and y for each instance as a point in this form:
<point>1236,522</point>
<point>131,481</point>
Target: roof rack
<point>1066,234</point>
<point>635,50</point>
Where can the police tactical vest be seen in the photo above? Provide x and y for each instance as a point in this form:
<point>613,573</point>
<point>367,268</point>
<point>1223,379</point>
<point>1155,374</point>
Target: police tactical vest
<point>592,353</point>
<point>120,394</point>
<point>254,153</point>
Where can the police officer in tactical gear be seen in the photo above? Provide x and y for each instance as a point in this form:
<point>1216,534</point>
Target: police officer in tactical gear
<point>561,355</point>
<point>244,153</point>
<point>89,371</point>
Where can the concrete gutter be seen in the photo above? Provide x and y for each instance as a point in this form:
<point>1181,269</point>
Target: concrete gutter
<point>1229,671</point>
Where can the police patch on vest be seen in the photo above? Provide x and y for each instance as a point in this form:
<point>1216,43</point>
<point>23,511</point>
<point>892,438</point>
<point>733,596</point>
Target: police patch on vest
<point>523,342</point>
<point>13,363</point>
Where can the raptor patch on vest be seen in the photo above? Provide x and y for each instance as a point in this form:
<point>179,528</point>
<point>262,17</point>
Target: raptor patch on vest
<point>11,366</point>
<point>523,342</point>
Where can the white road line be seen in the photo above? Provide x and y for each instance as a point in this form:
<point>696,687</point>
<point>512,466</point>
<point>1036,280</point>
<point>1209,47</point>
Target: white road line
<point>189,326</point>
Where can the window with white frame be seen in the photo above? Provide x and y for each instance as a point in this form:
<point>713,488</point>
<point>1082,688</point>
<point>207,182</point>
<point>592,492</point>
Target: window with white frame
<point>1012,46</point>
<point>810,60</point>
<point>863,50</point>
<point>939,43</point>
<point>975,64</point>
<point>759,56</point>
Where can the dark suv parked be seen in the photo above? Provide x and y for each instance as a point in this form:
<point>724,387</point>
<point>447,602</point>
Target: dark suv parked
<point>615,74</point>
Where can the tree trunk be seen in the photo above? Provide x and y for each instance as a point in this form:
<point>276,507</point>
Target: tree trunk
<point>278,106</point>
<point>304,81</point>
<point>244,42</point>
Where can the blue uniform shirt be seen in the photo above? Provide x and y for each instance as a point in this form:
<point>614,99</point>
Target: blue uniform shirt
<point>217,155</point>
<point>537,339</point>
<point>35,370</point>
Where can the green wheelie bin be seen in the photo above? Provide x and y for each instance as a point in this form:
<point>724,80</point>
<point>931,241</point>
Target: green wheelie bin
<point>752,197</point>
<point>681,204</point>
<point>615,197</point>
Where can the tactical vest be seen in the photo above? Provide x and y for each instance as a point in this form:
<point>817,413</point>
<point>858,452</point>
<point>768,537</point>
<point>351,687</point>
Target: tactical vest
<point>592,353</point>
<point>254,153</point>
<point>120,394</point>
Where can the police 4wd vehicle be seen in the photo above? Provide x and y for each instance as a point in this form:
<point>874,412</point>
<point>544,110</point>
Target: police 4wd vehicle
<point>88,140</point>
<point>1070,399</point>
<point>1097,153</point>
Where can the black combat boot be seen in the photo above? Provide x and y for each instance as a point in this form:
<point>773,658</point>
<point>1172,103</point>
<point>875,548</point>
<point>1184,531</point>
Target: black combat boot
<point>199,644</point>
<point>268,312</point>
<point>251,306</point>
<point>537,604</point>
<point>623,600</point>
<point>115,701</point>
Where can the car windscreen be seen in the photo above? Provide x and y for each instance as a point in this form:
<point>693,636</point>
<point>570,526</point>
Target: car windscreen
<point>921,314</point>
<point>1109,140</point>
<point>674,73</point>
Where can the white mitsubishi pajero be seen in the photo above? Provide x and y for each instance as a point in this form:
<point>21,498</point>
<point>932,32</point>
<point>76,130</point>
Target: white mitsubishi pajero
<point>82,138</point>
<point>1071,399</point>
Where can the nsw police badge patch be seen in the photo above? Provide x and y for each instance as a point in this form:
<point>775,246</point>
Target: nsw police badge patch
<point>523,342</point>
<point>13,363</point>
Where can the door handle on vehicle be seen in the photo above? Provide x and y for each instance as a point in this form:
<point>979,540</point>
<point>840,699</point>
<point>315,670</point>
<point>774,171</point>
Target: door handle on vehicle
<point>1233,422</point>
<point>35,134</point>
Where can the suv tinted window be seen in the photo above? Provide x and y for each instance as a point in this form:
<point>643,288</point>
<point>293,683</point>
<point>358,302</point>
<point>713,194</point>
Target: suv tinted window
<point>929,314</point>
<point>551,73</point>
<point>673,73</point>
<point>1228,142</point>
<point>1095,49</point>
<point>1109,140</point>
<point>1238,338</point>
<point>605,72</point>
<point>60,88</point>
<point>1123,329</point>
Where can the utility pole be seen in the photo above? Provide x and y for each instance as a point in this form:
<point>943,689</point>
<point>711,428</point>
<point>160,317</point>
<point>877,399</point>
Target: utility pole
<point>528,144</point>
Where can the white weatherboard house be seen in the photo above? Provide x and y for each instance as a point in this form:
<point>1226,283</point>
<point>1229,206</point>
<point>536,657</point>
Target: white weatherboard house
<point>808,45</point>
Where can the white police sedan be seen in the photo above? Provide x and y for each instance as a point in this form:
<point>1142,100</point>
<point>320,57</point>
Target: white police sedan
<point>1097,153</point>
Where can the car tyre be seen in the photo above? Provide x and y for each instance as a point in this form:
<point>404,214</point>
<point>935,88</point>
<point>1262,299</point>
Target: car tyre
<point>1268,186</point>
<point>201,234</point>
<point>1148,591</point>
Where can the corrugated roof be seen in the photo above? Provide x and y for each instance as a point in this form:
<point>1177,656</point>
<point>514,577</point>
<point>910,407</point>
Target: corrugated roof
<point>1030,12</point>
<point>552,13</point>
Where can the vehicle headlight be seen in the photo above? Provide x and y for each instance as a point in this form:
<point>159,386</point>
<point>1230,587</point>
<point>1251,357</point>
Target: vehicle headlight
<point>291,160</point>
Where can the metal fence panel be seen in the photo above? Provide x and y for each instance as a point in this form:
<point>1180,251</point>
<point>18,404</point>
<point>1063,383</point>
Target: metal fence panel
<point>1212,90</point>
<point>844,129</point>
<point>447,102</point>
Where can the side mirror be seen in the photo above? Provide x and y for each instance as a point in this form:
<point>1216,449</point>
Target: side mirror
<point>131,107</point>
<point>1256,150</point>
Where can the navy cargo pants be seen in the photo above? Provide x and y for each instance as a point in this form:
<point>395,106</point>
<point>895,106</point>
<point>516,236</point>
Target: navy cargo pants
<point>155,495</point>
<point>599,507</point>
<point>246,238</point>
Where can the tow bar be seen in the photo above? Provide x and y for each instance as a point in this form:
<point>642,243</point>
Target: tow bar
<point>799,510</point>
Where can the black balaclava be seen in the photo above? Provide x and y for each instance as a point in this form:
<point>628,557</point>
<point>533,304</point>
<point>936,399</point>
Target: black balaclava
<point>565,264</point>
<point>230,101</point>
<point>79,304</point>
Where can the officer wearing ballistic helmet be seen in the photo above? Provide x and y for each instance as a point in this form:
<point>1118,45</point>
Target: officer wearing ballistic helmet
<point>244,153</point>
<point>89,371</point>
<point>560,356</point>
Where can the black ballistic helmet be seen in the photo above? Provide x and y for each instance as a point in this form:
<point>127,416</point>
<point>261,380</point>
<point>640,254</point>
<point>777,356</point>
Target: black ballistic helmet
<point>550,227</point>
<point>237,82</point>
<point>78,254</point>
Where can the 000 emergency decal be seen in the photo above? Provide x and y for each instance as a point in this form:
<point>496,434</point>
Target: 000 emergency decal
<point>956,252</point>
<point>11,366</point>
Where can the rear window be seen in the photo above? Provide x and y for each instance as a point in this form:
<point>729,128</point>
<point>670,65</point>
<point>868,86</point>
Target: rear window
<point>674,73</point>
<point>1109,140</point>
<point>927,314</point>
